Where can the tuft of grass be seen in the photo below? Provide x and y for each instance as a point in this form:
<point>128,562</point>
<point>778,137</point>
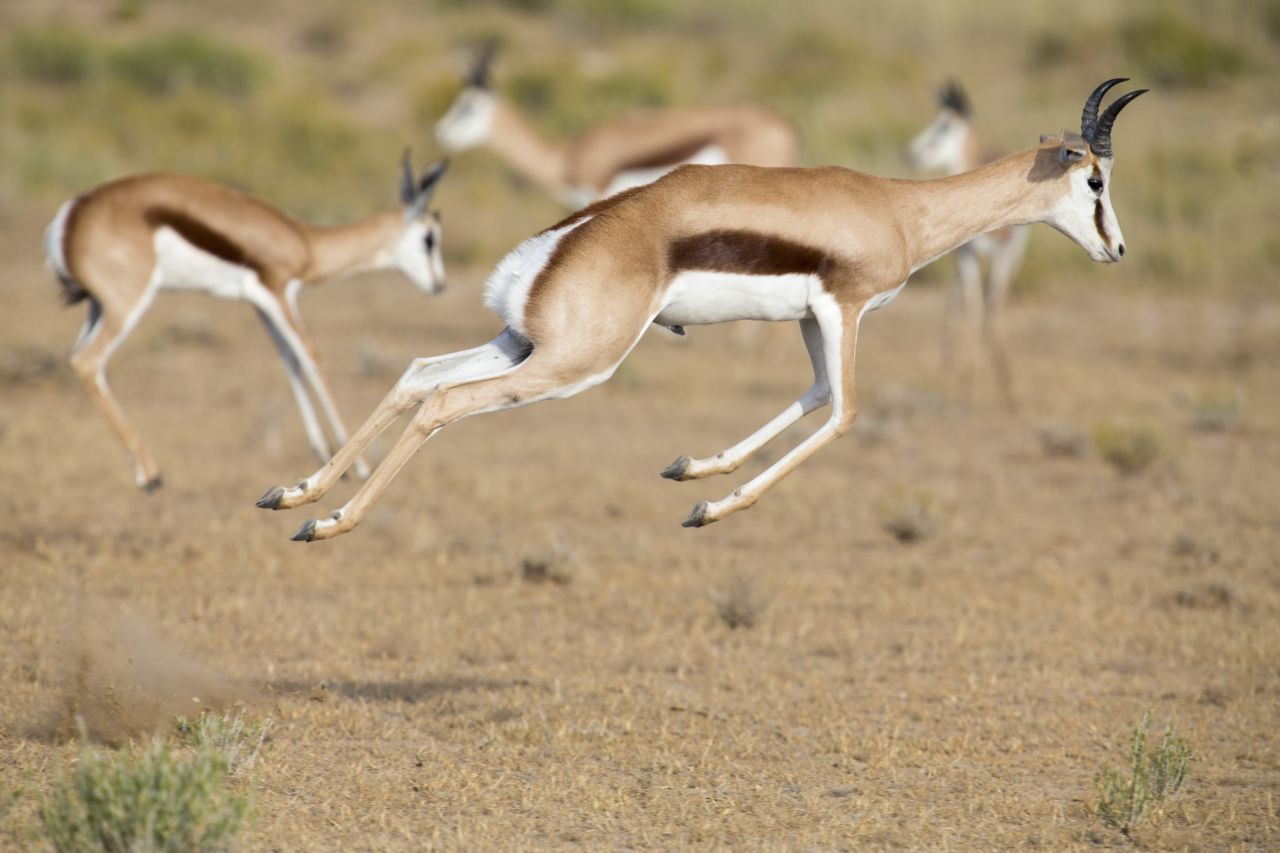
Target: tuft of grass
<point>57,56</point>
<point>164,64</point>
<point>910,516</point>
<point>545,568</point>
<point>1127,797</point>
<point>236,737</point>
<point>1063,441</point>
<point>1215,409</point>
<point>158,799</point>
<point>738,605</point>
<point>1174,52</point>
<point>1130,449</point>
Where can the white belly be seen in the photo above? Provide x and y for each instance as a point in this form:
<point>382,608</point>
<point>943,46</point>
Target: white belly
<point>180,265</point>
<point>701,297</point>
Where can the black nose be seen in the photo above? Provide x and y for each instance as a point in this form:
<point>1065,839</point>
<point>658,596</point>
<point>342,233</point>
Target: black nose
<point>1120,249</point>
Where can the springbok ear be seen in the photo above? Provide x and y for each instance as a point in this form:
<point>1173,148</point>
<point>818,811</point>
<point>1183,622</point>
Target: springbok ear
<point>425,189</point>
<point>1073,148</point>
<point>1045,137</point>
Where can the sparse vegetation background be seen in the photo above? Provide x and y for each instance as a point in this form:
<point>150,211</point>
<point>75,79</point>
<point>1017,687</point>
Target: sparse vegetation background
<point>936,634</point>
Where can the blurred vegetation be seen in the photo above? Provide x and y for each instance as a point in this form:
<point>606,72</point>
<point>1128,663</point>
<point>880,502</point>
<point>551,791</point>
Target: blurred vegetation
<point>309,104</point>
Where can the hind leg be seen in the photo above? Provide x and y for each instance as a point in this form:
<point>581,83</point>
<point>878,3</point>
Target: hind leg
<point>423,376</point>
<point>105,330</point>
<point>541,377</point>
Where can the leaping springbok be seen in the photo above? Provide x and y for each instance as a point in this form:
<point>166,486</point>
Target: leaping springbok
<point>952,144</point>
<point>629,151</point>
<point>709,244</point>
<point>118,244</point>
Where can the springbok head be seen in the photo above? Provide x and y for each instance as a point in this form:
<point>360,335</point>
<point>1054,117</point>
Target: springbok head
<point>417,250</point>
<point>469,122</point>
<point>942,144</point>
<point>1080,167</point>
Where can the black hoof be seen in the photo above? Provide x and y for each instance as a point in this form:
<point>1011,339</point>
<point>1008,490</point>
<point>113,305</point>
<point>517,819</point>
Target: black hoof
<point>676,470</point>
<point>698,517</point>
<point>306,533</point>
<point>153,485</point>
<point>271,500</point>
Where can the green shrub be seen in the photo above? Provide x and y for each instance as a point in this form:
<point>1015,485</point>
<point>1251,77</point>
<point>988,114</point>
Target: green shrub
<point>164,64</point>
<point>154,800</point>
<point>1125,798</point>
<point>52,55</point>
<point>1173,52</point>
<point>1130,449</point>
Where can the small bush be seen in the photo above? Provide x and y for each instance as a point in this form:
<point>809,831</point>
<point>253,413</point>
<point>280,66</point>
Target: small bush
<point>1215,409</point>
<point>164,64</point>
<point>236,737</point>
<point>54,56</point>
<point>158,799</point>
<point>910,517</point>
<point>1130,449</point>
<point>1173,52</point>
<point>1126,798</point>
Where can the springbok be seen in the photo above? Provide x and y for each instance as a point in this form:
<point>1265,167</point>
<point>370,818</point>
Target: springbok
<point>709,244</point>
<point>118,244</point>
<point>951,144</point>
<point>629,151</point>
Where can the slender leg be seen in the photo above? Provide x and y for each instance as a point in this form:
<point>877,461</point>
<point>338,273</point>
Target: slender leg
<point>89,360</point>
<point>296,339</point>
<point>728,461</point>
<point>424,374</point>
<point>1004,265</point>
<point>532,380</point>
<point>839,326</point>
<point>960,328</point>
<point>297,384</point>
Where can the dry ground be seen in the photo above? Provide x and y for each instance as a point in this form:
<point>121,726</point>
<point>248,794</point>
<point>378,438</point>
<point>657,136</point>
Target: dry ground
<point>960,691</point>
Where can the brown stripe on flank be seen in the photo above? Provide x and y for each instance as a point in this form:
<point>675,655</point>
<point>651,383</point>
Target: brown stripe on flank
<point>668,157</point>
<point>203,237</point>
<point>746,253</point>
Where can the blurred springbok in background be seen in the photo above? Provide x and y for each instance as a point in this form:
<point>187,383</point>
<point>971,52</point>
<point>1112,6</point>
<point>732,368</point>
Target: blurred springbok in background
<point>628,151</point>
<point>951,144</point>
<point>118,244</point>
<point>710,245</point>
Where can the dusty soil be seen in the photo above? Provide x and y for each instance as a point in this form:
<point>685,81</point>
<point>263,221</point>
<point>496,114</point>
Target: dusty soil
<point>522,647</point>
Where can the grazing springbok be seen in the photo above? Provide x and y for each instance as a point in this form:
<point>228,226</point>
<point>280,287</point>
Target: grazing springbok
<point>121,242</point>
<point>951,144</point>
<point>709,244</point>
<point>629,151</point>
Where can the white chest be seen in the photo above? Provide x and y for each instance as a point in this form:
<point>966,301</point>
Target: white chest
<point>701,297</point>
<point>180,265</point>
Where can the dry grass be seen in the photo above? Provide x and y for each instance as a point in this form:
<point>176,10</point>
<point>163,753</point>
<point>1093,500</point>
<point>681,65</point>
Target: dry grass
<point>957,693</point>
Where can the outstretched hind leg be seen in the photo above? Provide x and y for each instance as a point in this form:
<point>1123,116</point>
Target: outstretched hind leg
<point>423,376</point>
<point>103,333</point>
<point>539,378</point>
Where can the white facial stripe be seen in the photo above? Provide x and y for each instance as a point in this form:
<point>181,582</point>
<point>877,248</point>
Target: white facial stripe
<point>506,291</point>
<point>941,145</point>
<point>469,122</point>
<point>699,297</point>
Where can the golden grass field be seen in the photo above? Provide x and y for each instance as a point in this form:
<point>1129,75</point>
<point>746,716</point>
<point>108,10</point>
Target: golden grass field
<point>521,647</point>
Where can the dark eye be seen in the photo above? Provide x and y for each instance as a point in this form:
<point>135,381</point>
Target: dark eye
<point>1095,184</point>
<point>430,240</point>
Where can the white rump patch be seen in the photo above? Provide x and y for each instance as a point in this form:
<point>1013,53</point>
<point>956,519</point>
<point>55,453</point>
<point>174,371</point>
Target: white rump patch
<point>506,290</point>
<point>180,265</point>
<point>55,241</point>
<point>699,297</point>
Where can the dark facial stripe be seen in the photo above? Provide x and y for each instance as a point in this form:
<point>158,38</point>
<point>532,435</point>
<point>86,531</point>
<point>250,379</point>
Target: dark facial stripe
<point>1099,224</point>
<point>746,253</point>
<point>200,235</point>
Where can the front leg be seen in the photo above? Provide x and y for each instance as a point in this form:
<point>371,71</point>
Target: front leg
<point>728,461</point>
<point>839,329</point>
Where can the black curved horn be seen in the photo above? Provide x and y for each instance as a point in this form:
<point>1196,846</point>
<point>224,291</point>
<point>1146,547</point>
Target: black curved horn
<point>1101,142</point>
<point>1089,118</point>
<point>953,98</point>
<point>408,189</point>
<point>479,74</point>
